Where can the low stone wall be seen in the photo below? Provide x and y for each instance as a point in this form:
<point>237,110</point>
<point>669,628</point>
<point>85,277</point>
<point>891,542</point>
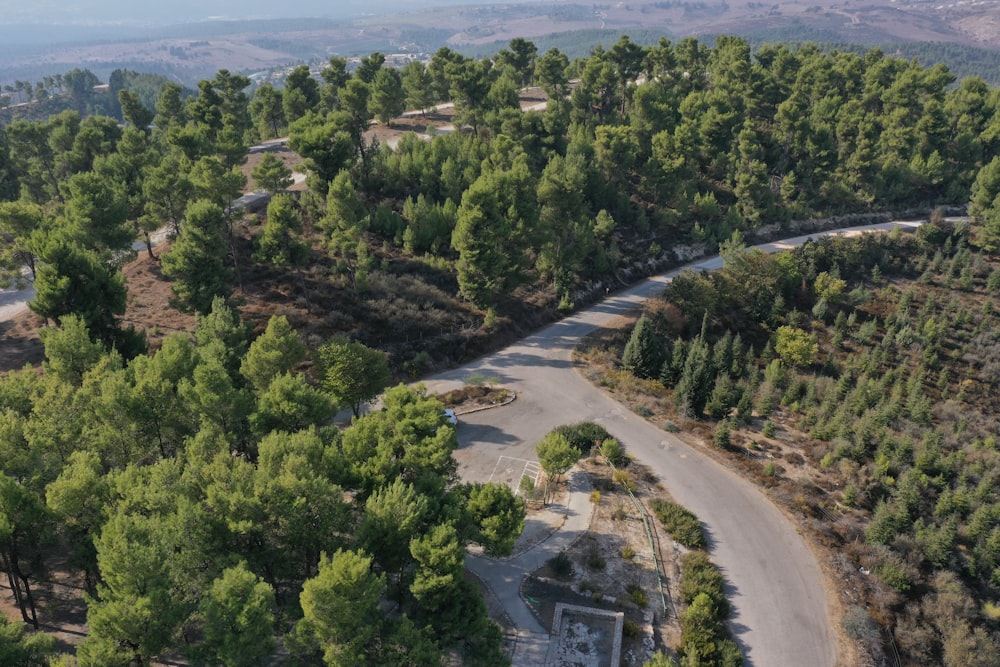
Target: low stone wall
<point>569,649</point>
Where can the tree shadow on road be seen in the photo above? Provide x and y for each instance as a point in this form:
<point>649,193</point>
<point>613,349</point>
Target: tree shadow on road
<point>483,435</point>
<point>518,359</point>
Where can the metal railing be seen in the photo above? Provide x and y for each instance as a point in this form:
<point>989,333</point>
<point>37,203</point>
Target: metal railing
<point>650,532</point>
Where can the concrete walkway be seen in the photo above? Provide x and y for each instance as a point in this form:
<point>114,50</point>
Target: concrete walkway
<point>504,576</point>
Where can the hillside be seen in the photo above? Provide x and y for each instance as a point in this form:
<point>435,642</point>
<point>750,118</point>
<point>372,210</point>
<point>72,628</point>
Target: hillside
<point>879,441</point>
<point>244,43</point>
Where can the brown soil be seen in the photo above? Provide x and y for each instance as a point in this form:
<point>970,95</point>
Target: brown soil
<point>290,158</point>
<point>434,120</point>
<point>59,604</point>
<point>19,342</point>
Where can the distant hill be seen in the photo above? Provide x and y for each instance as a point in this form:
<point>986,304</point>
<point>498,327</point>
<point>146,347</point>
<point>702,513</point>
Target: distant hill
<point>965,36</point>
<point>105,15</point>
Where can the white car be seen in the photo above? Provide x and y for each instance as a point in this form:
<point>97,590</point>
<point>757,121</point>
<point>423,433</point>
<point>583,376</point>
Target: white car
<point>450,416</point>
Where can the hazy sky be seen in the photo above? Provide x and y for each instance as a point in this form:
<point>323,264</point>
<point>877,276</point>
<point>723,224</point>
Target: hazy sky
<point>163,12</point>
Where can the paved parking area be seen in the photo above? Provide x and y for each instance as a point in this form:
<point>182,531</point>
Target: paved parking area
<point>510,471</point>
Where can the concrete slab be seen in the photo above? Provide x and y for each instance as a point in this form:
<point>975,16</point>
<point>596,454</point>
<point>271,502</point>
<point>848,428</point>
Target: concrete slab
<point>585,637</point>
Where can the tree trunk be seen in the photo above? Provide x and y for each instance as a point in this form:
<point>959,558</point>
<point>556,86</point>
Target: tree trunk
<point>15,585</point>
<point>233,250</point>
<point>30,599</point>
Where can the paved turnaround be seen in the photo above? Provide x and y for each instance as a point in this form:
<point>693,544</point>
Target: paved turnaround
<point>781,617</point>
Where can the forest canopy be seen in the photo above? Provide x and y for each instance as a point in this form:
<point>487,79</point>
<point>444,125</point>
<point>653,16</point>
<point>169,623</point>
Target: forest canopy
<point>207,474</point>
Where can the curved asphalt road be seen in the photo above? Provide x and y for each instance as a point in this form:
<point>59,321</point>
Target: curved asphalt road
<point>780,613</point>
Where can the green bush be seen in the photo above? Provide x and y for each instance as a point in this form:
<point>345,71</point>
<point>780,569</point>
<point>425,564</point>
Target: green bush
<point>722,437</point>
<point>562,566</point>
<point>417,365</point>
<point>700,576</point>
<point>613,452</point>
<point>894,577</point>
<point>585,435</point>
<point>729,653</point>
<point>630,629</point>
<point>638,596</point>
<point>682,525</point>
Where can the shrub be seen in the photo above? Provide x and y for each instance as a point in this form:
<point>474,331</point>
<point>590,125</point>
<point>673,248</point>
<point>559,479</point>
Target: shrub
<point>527,486</point>
<point>699,576</point>
<point>595,496</point>
<point>562,566</point>
<point>417,364</point>
<point>769,429</point>
<point>631,629</point>
<point>682,524</point>
<point>613,452</point>
<point>604,484</point>
<point>638,596</point>
<point>894,577</point>
<point>722,438</point>
<point>480,380</point>
<point>595,561</point>
<point>729,653</point>
<point>490,320</point>
<point>627,552</point>
<point>700,628</point>
<point>993,282</point>
<point>622,477</point>
<point>860,627</point>
<point>585,435</point>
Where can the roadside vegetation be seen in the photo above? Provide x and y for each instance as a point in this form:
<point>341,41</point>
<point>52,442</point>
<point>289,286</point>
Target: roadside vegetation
<point>854,378</point>
<point>691,603</point>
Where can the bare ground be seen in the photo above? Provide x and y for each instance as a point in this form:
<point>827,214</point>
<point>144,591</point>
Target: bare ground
<point>613,561</point>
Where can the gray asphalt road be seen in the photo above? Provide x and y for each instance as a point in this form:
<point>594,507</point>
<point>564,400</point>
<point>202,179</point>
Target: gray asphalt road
<point>781,616</point>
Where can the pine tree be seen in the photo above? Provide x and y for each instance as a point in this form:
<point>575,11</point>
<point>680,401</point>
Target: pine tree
<point>695,384</point>
<point>644,352</point>
<point>196,263</point>
<point>670,372</point>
